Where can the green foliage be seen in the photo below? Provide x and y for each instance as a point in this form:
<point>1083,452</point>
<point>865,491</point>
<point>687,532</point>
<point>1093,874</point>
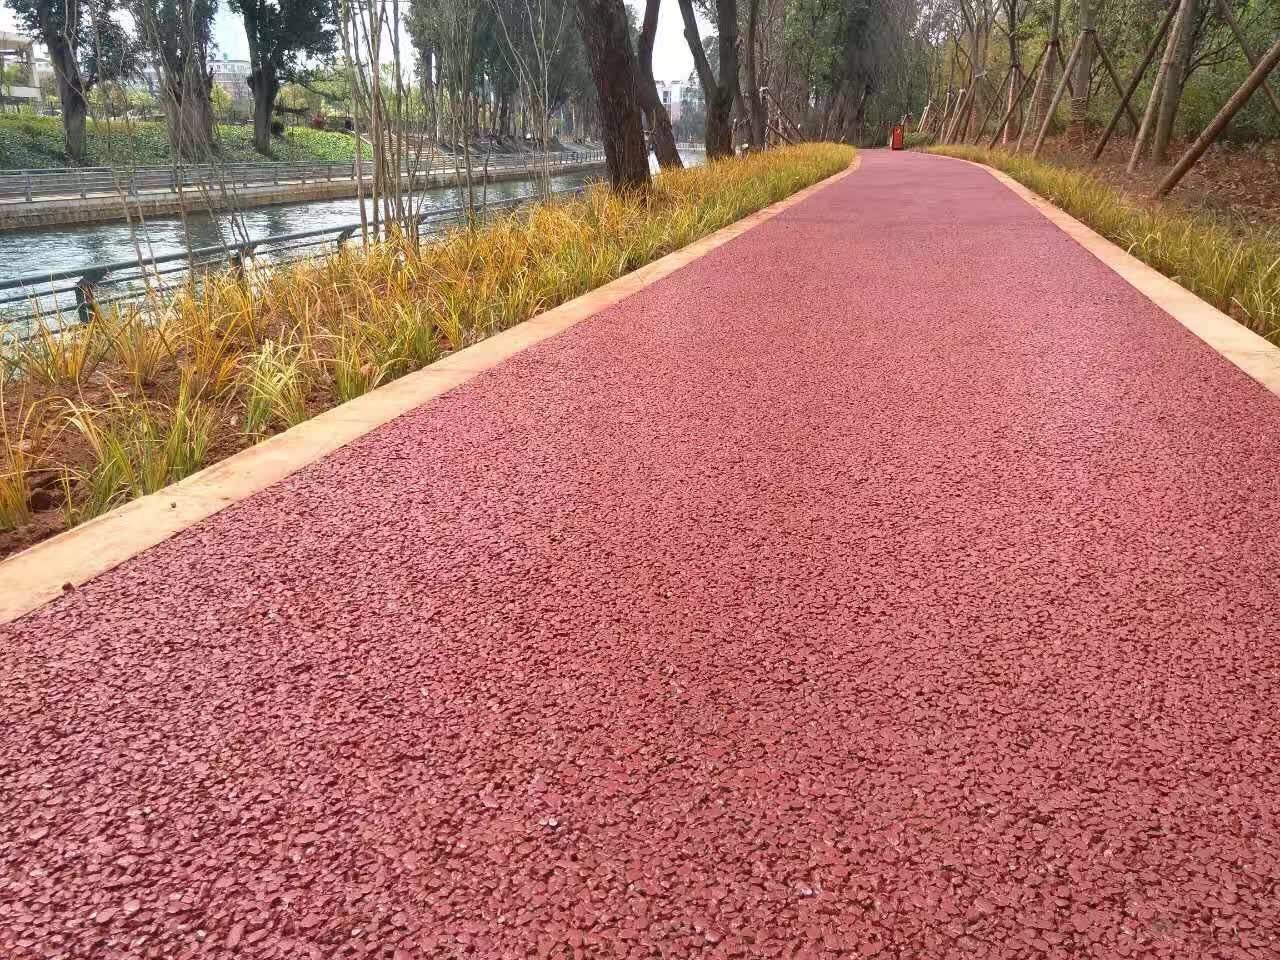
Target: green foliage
<point>30,142</point>
<point>1237,272</point>
<point>1217,66</point>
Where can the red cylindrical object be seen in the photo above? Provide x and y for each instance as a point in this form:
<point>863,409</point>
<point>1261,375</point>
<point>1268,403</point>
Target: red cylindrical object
<point>895,140</point>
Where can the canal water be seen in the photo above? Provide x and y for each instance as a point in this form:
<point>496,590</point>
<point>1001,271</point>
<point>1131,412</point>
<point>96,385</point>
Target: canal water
<point>28,252</point>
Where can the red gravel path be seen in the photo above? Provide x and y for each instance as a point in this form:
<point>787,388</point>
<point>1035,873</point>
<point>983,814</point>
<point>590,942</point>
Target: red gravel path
<point>895,580</point>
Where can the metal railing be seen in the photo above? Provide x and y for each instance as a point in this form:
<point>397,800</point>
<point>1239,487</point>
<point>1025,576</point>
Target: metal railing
<point>17,186</point>
<point>64,298</point>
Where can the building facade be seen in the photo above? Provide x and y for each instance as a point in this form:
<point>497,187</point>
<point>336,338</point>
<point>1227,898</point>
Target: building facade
<point>233,77</point>
<point>678,96</point>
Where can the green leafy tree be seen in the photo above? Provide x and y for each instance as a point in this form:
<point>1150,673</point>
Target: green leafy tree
<point>86,46</point>
<point>282,34</point>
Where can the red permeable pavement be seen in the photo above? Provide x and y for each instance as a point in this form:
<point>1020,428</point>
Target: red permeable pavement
<point>893,581</point>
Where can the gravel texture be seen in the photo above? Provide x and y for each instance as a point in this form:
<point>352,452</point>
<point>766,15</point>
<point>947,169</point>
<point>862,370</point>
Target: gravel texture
<point>893,581</point>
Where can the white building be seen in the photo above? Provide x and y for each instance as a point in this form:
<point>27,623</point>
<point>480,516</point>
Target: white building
<point>17,50</point>
<point>233,77</point>
<point>676,95</point>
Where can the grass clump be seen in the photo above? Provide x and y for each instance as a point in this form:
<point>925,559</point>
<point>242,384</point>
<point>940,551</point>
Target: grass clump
<point>144,396</point>
<point>1238,272</point>
<point>137,447</point>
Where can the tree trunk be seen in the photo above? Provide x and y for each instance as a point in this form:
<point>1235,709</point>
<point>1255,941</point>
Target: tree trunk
<point>1158,85</point>
<point>71,94</point>
<point>1047,81</point>
<point>718,95</point>
<point>188,110</point>
<point>1171,93</point>
<point>603,24</point>
<point>664,141</point>
<point>1015,71</point>
<point>755,102</point>
<point>265,86</point>
<point>727,88</point>
<point>1083,78</point>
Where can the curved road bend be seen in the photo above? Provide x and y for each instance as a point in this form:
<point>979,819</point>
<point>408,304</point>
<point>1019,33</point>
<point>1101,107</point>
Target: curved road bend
<point>895,580</point>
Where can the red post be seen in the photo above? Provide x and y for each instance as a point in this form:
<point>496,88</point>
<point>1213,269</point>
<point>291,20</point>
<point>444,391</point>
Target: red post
<point>895,141</point>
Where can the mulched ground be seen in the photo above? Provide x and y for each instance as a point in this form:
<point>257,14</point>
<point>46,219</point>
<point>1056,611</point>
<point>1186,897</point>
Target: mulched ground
<point>1236,184</point>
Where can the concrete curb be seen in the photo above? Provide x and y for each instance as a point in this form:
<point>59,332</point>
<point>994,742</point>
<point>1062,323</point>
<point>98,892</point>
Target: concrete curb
<point>35,576</point>
<point>1236,343</point>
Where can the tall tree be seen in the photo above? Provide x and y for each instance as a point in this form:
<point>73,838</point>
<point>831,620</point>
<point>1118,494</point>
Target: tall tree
<point>603,24</point>
<point>664,141</point>
<point>1083,80</point>
<point>755,101</point>
<point>177,36</point>
<point>1175,82</point>
<point>85,46</point>
<point>280,34</point>
<point>721,91</point>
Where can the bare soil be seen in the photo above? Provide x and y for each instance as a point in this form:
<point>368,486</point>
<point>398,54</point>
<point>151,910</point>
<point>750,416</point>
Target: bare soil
<point>50,439</point>
<point>1238,185</point>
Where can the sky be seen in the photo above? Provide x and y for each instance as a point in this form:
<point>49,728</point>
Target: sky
<point>671,57</point>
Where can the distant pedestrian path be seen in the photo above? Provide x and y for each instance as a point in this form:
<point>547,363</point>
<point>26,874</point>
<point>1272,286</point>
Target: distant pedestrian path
<point>893,580</point>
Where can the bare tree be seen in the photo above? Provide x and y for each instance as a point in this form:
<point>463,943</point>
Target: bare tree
<point>529,52</point>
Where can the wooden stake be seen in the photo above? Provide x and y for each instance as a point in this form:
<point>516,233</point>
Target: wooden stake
<point>1219,123</point>
<point>962,103</point>
<point>1229,16</point>
<point>941,124</point>
<point>991,107</point>
<point>1133,83</point>
<point>1035,94</point>
<point>924,117</point>
<point>1148,115</point>
<point>1057,95</point>
<point>1008,114</point>
<point>1115,80</point>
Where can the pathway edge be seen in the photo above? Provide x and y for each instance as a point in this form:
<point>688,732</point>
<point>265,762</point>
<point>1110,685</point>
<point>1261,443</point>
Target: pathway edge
<point>1248,351</point>
<point>41,573</point>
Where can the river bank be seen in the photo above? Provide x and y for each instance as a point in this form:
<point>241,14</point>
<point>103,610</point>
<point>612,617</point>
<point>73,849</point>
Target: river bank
<point>20,214</point>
